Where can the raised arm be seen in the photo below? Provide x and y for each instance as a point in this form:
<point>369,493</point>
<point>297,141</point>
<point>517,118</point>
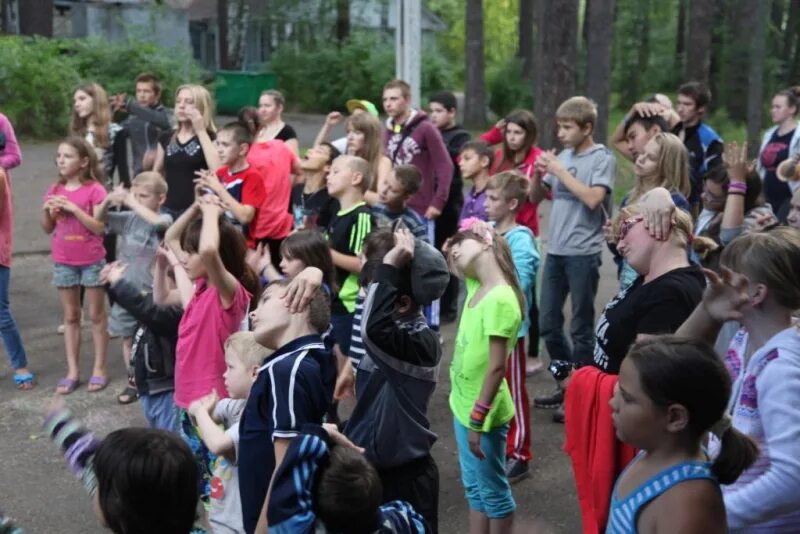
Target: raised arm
<point>172,238</point>
<point>218,276</point>
<point>158,116</point>
<point>333,118</point>
<point>244,213</point>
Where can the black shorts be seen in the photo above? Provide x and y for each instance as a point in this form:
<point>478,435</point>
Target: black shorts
<point>417,483</point>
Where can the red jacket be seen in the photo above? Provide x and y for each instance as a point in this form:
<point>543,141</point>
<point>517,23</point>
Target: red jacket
<point>598,457</point>
<point>529,213</point>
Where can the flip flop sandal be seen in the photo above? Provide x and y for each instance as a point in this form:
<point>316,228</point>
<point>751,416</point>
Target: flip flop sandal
<point>99,382</point>
<point>68,385</point>
<point>128,396</point>
<point>24,382</point>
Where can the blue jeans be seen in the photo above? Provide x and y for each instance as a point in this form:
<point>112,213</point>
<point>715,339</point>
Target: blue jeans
<point>8,327</point>
<point>160,411</point>
<point>485,483</point>
<point>576,276</point>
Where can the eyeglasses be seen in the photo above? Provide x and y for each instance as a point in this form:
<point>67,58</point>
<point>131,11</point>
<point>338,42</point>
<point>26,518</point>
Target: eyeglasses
<point>626,226</point>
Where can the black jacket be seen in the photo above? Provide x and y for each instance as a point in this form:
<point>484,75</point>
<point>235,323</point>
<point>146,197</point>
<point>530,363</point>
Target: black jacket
<point>153,352</point>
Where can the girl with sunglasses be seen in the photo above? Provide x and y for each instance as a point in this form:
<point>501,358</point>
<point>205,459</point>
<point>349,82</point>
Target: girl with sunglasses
<point>666,291</point>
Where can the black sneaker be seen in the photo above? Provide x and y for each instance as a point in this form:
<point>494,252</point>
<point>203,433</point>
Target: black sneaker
<point>516,470</point>
<point>558,415</point>
<point>551,401</point>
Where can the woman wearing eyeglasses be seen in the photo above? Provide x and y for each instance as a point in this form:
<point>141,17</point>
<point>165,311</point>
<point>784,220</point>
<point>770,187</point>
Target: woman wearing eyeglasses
<point>666,291</point>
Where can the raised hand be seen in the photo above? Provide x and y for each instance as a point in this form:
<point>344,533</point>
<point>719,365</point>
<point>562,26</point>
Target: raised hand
<point>333,118</point>
<point>735,159</point>
<point>725,295</point>
<point>403,250</point>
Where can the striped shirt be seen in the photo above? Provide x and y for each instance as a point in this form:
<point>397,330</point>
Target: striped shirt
<point>624,513</point>
<point>415,224</point>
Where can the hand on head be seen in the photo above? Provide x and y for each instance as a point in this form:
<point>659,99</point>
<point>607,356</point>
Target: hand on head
<point>403,251</point>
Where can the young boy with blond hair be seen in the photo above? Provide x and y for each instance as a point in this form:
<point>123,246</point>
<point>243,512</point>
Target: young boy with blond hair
<point>506,192</point>
<point>581,179</point>
<point>243,356</point>
<point>347,181</point>
<point>140,230</point>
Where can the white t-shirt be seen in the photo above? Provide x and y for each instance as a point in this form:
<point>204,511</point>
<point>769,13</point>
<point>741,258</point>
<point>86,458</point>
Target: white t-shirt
<point>225,516</point>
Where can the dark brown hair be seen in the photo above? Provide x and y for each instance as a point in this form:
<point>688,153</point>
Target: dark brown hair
<point>232,250</point>
<point>311,247</point>
<point>697,91</point>
<point>527,121</point>
<point>409,177</point>
<point>674,370</point>
<point>152,79</point>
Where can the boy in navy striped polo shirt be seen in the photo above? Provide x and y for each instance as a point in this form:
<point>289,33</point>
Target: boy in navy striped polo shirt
<point>294,386</point>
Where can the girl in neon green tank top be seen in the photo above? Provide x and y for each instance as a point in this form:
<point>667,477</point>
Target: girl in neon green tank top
<point>480,399</point>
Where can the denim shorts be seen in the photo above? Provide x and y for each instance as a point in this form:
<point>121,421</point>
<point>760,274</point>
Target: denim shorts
<point>77,275</point>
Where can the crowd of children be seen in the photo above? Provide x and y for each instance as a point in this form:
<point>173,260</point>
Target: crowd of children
<point>253,288</point>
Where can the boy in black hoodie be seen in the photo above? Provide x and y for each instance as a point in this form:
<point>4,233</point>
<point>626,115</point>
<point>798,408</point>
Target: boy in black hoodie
<point>153,350</point>
<point>399,372</point>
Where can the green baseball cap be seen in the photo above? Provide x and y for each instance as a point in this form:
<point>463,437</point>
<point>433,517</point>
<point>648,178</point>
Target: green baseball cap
<point>366,105</point>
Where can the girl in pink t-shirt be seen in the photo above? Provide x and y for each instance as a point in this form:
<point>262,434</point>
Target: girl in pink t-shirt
<point>212,252</point>
<point>78,254</point>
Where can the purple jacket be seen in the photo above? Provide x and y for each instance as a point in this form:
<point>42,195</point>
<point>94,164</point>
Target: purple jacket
<point>419,143</point>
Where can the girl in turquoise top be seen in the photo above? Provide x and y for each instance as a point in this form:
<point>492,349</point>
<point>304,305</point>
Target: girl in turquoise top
<point>671,393</point>
<point>480,399</point>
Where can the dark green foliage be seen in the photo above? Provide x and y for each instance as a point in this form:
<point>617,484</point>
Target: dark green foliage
<point>322,77</point>
<point>37,76</point>
<point>508,89</point>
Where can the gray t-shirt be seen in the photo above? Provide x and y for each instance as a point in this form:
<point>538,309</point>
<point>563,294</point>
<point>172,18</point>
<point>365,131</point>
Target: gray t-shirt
<point>574,229</point>
<point>225,516</point>
<point>137,244</point>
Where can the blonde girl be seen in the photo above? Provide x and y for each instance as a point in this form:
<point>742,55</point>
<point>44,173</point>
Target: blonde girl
<point>78,254</point>
<point>188,148</point>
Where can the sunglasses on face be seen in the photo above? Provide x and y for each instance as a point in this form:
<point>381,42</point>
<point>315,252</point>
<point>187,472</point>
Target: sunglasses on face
<point>626,226</point>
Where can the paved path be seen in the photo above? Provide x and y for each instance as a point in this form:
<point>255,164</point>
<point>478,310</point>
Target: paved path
<point>36,488</point>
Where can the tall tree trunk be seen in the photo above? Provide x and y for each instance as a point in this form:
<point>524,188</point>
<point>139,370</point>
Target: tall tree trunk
<point>698,43</point>
<point>680,37</point>
<point>732,92</point>
<point>342,20</point>
<point>600,23</point>
<point>475,95</point>
<point>36,17</point>
<point>790,42</point>
<point>556,59</point>
<point>238,23</point>
<point>755,85</point>
<point>525,37</point>
<point>222,34</point>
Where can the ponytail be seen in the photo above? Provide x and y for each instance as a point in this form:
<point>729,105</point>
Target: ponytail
<point>686,372</point>
<point>737,453</point>
<point>248,117</point>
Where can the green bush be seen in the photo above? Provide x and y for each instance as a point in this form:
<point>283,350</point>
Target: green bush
<point>508,90</point>
<point>37,76</point>
<point>35,85</point>
<point>322,77</point>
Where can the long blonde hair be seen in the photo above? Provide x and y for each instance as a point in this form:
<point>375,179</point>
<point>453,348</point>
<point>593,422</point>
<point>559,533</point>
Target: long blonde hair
<point>672,168</point>
<point>373,141</point>
<point>681,233</point>
<point>100,117</point>
<point>202,101</point>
